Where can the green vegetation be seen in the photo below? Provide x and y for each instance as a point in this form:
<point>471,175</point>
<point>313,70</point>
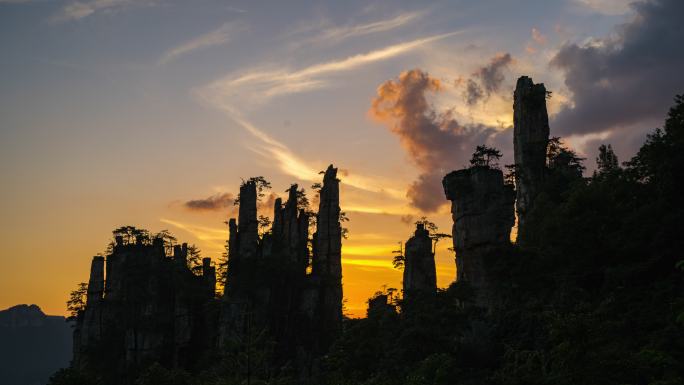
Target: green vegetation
<point>594,297</point>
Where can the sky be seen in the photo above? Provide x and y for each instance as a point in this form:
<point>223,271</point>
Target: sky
<point>151,112</point>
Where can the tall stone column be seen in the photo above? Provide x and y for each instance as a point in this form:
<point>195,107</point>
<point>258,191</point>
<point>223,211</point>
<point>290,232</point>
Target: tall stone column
<point>277,227</point>
<point>290,225</point>
<point>530,139</point>
<point>96,281</point>
<point>419,264</point>
<point>247,221</point>
<point>209,275</point>
<point>232,239</point>
<point>89,324</point>
<point>327,262</point>
<point>328,229</point>
<point>482,210</point>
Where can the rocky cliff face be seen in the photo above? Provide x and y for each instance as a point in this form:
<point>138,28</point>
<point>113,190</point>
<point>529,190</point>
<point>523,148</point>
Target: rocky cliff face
<point>419,265</point>
<point>530,139</point>
<point>482,210</point>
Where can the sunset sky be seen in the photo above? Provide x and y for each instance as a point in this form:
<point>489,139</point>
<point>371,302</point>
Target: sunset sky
<point>149,113</point>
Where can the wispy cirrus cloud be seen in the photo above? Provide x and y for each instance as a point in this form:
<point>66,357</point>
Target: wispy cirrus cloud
<point>202,233</point>
<point>606,7</point>
<point>212,239</point>
<point>245,89</point>
<point>216,37</point>
<point>259,86</point>
<point>291,164</point>
<point>336,34</point>
<point>76,10</point>
<point>15,1</point>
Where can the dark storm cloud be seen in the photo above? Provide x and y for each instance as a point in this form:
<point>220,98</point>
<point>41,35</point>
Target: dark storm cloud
<point>631,77</point>
<point>406,219</point>
<point>491,75</point>
<point>487,79</point>
<point>215,202</point>
<point>226,201</point>
<point>436,143</point>
<point>473,92</point>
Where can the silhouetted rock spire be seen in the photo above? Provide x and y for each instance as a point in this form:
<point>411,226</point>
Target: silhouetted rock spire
<point>295,233</point>
<point>96,281</point>
<point>277,228</point>
<point>328,261</point>
<point>482,210</point>
<point>248,226</point>
<point>419,264</point>
<point>323,299</point>
<point>232,239</point>
<point>89,323</point>
<point>530,139</point>
<point>268,287</point>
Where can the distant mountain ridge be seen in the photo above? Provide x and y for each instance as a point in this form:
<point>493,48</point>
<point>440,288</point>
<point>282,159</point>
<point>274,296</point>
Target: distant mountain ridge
<point>34,345</point>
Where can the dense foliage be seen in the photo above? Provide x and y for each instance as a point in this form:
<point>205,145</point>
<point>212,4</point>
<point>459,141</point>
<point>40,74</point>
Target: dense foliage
<point>593,296</point>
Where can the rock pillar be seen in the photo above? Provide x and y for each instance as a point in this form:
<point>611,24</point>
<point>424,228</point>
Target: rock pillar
<point>247,221</point>
<point>482,210</point>
<point>530,139</point>
<point>96,281</point>
<point>419,264</point>
<point>327,261</point>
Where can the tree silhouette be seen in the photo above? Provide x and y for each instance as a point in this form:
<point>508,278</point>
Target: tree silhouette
<point>345,230</point>
<point>195,259</point>
<point>606,160</point>
<point>433,230</point>
<point>261,186</point>
<point>398,258</point>
<point>510,175</point>
<point>77,300</point>
<point>485,156</point>
<point>131,234</point>
<point>560,158</point>
<point>168,240</point>
<point>264,223</point>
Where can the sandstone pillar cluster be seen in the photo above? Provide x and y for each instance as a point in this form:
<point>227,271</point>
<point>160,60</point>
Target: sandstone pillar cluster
<point>143,306</point>
<point>268,287</point>
<point>482,204</point>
